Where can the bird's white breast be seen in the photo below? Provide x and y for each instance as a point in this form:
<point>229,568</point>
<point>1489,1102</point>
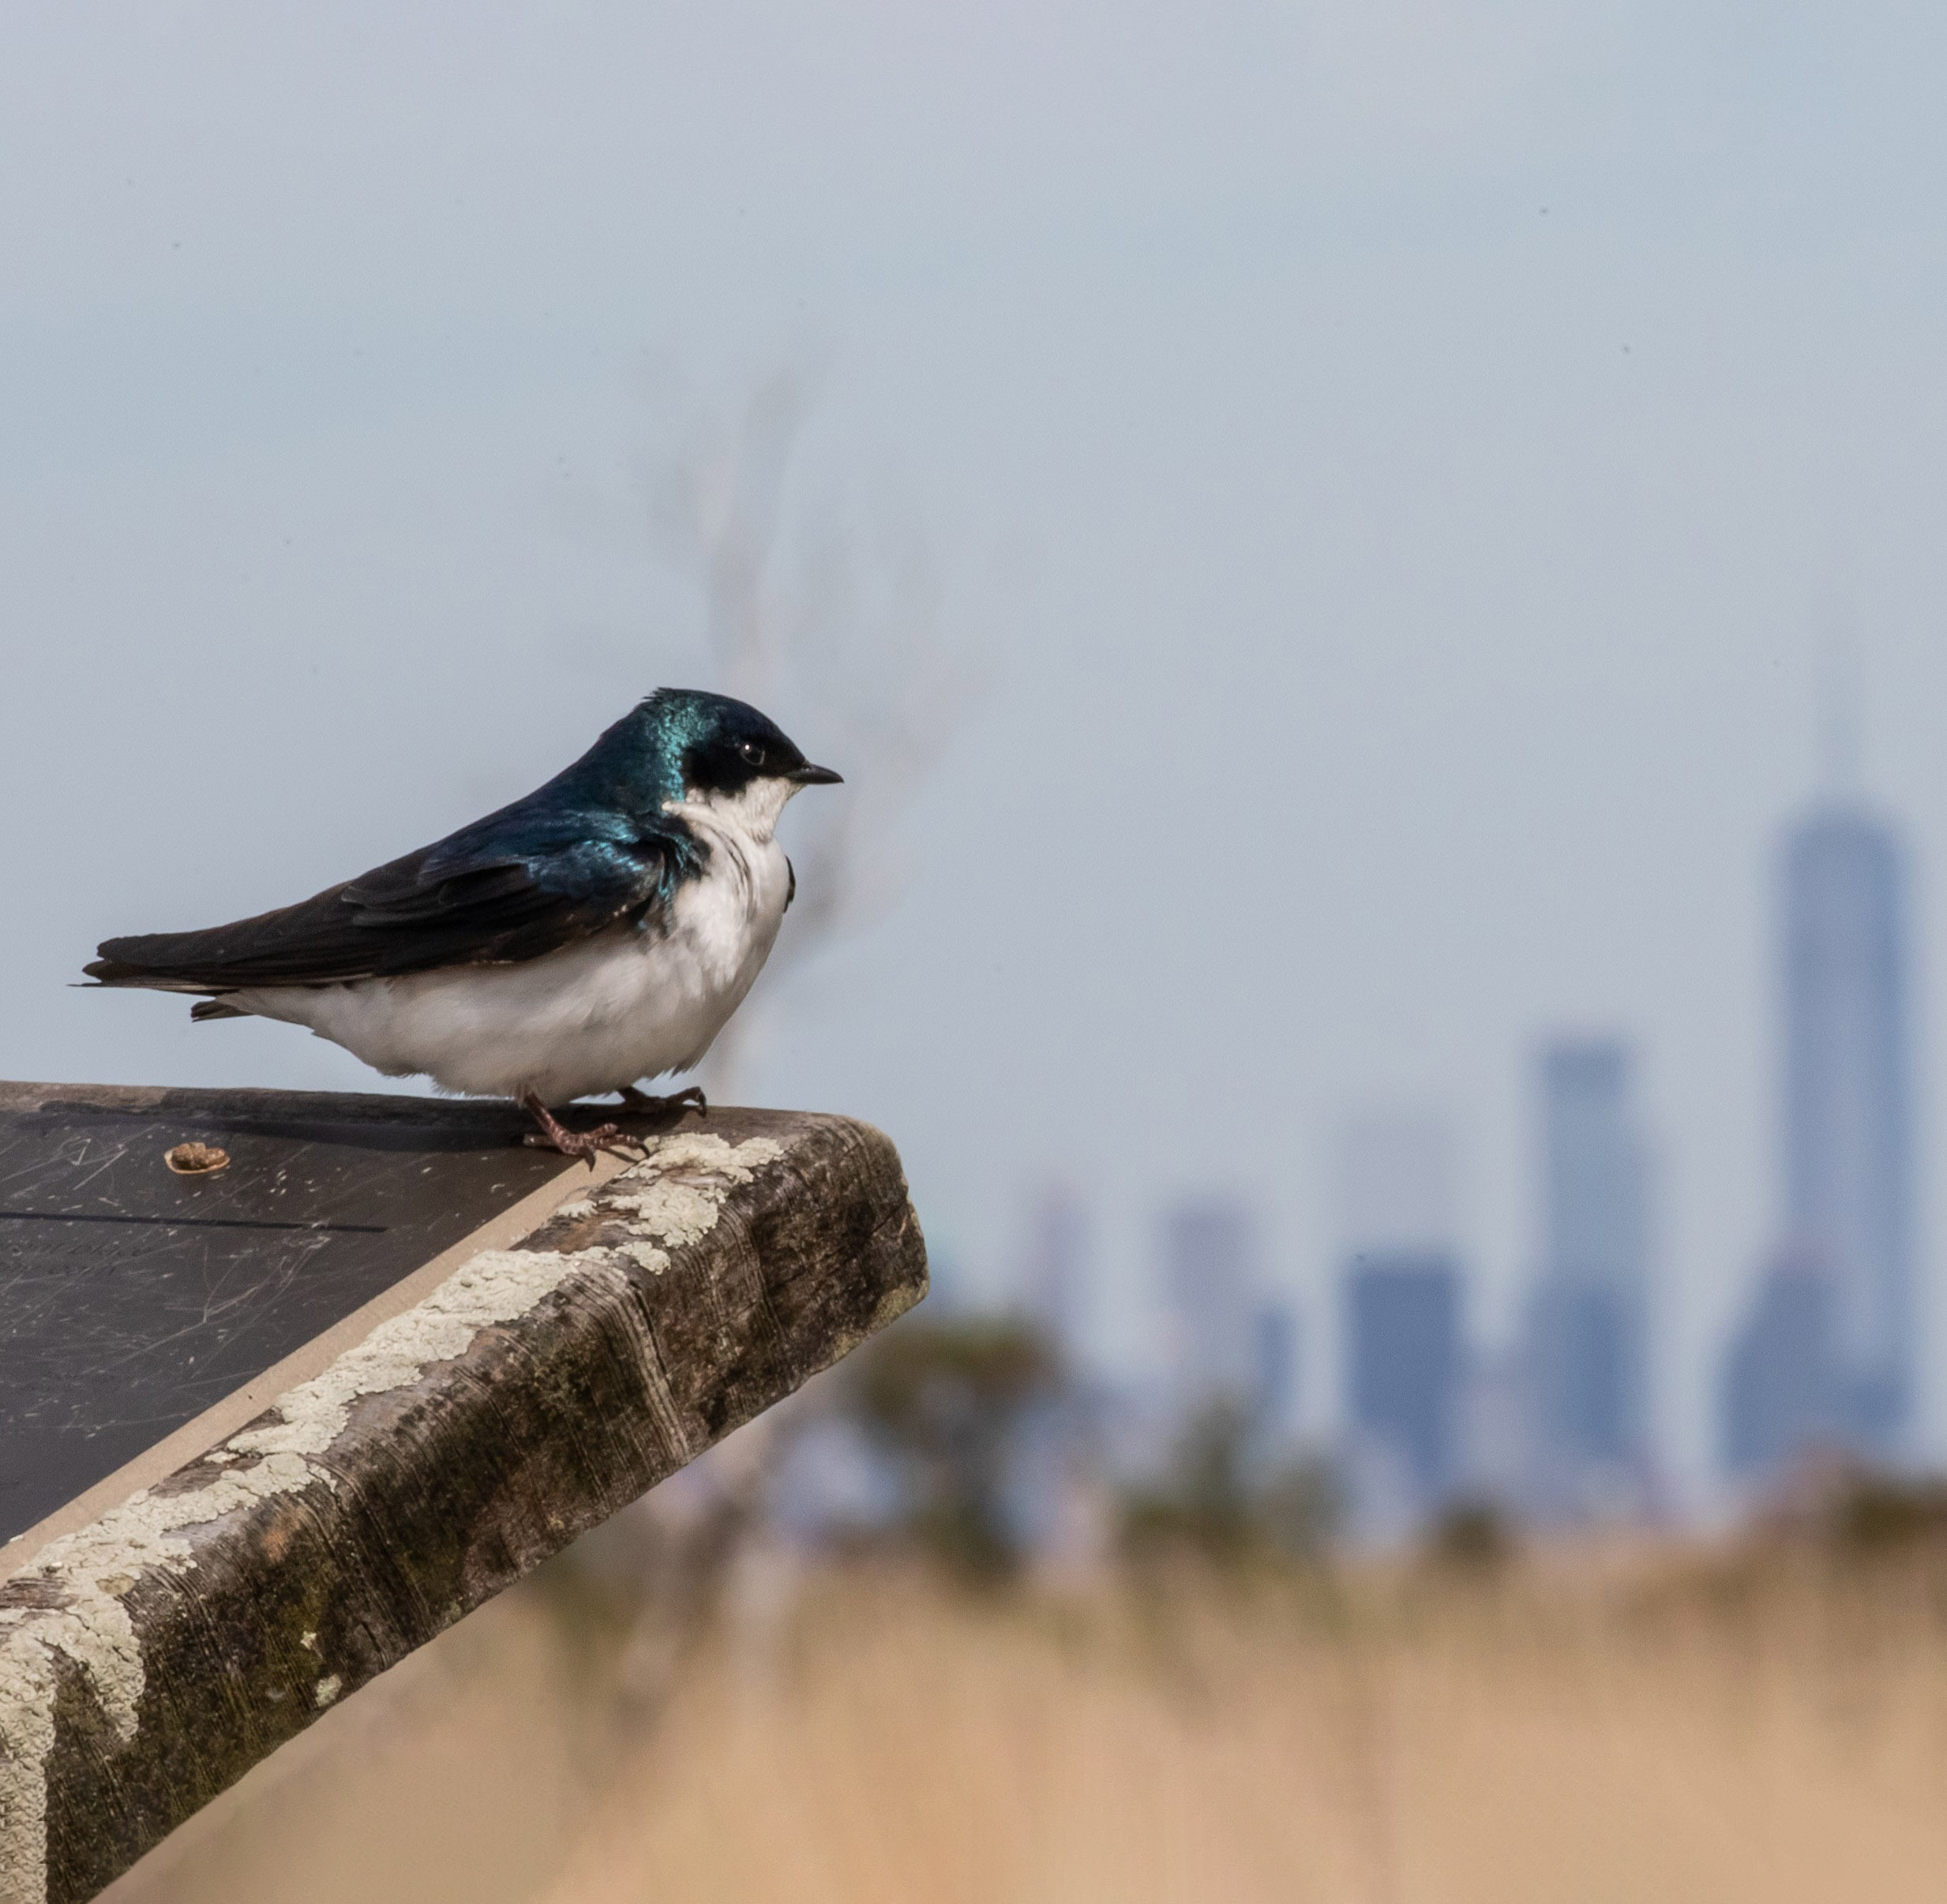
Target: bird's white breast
<point>624,1004</point>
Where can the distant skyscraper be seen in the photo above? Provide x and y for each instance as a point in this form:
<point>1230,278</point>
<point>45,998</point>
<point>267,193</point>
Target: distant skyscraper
<point>1054,1272</point>
<point>1056,1488</point>
<point>1210,1280</point>
<point>1496,1432</point>
<point>1593,1163</point>
<point>1403,1356</point>
<point>1275,1343</point>
<point>1396,1182</point>
<point>1401,1304</point>
<point>1848,1138</point>
<point>1587,1324</point>
<point>1779,1396</point>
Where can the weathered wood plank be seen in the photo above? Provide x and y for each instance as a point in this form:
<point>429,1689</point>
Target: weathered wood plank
<point>133,1298</point>
<point>148,1660</point>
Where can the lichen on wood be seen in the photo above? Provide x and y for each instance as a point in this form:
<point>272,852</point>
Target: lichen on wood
<point>147,1660</point>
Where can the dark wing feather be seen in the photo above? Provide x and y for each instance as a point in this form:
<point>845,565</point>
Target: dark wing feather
<point>511,888</point>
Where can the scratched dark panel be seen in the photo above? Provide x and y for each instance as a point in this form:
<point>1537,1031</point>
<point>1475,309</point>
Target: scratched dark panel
<point>131,1298</point>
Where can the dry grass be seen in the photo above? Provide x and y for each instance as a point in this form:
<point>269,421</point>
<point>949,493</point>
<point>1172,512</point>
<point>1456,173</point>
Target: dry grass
<point>1547,1743</point>
<point>1763,1733</point>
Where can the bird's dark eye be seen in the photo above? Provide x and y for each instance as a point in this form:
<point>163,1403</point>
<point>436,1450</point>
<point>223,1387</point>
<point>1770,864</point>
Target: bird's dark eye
<point>752,751</point>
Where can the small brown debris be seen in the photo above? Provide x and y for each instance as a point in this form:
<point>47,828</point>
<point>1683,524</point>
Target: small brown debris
<point>197,1160</point>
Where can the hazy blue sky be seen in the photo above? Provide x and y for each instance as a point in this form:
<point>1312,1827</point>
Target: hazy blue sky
<point>1394,459</point>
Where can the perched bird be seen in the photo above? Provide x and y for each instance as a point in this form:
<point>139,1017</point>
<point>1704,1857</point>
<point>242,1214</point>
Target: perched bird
<point>601,931</point>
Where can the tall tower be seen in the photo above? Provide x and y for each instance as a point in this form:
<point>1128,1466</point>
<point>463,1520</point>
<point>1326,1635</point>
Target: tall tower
<point>1587,1319</point>
<point>1210,1283</point>
<point>1403,1350</point>
<point>1054,1291</point>
<point>1402,1317</point>
<point>1848,1109</point>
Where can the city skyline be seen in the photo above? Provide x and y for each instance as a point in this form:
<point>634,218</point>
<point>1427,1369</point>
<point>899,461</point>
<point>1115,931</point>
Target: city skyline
<point>1562,1422</point>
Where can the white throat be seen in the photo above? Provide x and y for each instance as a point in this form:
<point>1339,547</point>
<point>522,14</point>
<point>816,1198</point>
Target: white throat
<point>751,815</point>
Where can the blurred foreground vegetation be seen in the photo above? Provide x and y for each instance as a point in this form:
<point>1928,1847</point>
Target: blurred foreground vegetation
<point>1763,1720</point>
<point>689,1704</point>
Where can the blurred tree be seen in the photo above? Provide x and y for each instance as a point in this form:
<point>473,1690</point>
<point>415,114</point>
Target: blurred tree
<point>943,1400</point>
<point>1870,1515</point>
<point>838,634</point>
<point>1204,1501</point>
<point>1473,1536</point>
<point>1302,1508</point>
<point>1216,1500</point>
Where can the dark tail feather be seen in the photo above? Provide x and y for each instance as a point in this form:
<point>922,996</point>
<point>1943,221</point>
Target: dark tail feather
<point>115,971</point>
<point>112,971</point>
<point>214,1008</point>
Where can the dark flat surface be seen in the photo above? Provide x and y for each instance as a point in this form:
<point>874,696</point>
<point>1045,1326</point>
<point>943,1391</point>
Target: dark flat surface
<point>131,1298</point>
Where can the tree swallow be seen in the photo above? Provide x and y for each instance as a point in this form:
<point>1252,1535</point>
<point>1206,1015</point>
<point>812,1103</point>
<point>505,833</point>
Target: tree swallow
<point>601,931</point>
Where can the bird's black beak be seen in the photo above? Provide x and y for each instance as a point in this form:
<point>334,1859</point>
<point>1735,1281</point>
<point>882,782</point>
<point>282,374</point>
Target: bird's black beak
<point>810,776</point>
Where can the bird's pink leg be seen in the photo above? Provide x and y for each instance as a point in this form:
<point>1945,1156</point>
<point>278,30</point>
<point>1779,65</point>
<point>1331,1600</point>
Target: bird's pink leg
<point>554,1135</point>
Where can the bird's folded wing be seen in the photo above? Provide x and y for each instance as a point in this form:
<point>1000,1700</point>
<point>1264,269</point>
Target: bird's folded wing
<point>470,900</point>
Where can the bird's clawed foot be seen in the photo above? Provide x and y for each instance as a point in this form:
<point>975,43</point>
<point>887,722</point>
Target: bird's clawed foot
<point>589,1145</point>
<point>640,1104</point>
<point>554,1135</point>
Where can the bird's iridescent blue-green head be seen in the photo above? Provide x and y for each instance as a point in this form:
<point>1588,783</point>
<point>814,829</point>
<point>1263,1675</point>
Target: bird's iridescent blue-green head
<point>686,743</point>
